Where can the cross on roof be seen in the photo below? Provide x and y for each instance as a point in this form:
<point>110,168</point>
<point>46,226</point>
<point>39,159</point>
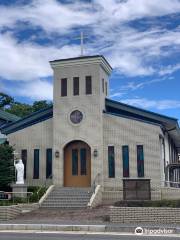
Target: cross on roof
<point>82,37</point>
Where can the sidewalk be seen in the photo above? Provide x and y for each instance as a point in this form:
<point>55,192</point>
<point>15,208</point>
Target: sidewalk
<point>94,220</point>
<point>81,228</point>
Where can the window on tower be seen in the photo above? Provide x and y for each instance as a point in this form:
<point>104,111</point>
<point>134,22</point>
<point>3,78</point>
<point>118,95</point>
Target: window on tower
<point>111,162</point>
<point>36,164</point>
<point>48,163</point>
<point>76,86</point>
<point>103,85</point>
<point>63,87</point>
<point>24,159</point>
<point>88,85</point>
<point>140,160</point>
<point>125,157</point>
<point>106,87</point>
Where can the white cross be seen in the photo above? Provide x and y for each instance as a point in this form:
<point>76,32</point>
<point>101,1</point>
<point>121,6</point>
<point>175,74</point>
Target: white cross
<point>15,153</point>
<point>82,37</point>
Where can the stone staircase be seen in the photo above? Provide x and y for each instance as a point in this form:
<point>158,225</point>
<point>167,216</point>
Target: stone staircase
<point>68,198</point>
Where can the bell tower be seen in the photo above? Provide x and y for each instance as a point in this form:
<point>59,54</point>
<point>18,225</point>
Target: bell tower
<point>80,88</point>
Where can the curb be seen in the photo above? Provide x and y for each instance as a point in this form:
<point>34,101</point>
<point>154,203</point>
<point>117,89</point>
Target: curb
<point>52,227</point>
<point>78,228</point>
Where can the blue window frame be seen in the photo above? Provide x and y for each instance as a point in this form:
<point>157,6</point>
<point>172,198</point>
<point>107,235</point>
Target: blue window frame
<point>48,163</point>
<point>76,86</point>
<point>88,85</point>
<point>83,161</point>
<point>140,160</point>
<point>111,161</point>
<point>74,162</point>
<point>63,87</point>
<point>36,164</point>
<point>125,157</point>
<point>24,159</point>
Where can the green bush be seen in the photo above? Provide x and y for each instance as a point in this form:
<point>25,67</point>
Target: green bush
<point>6,166</point>
<point>159,203</point>
<point>14,201</point>
<point>37,193</point>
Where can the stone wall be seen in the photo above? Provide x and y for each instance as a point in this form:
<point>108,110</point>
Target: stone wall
<point>109,197</point>
<point>90,130</point>
<point>170,193</point>
<point>144,215</point>
<point>119,131</point>
<point>38,136</point>
<point>9,212</point>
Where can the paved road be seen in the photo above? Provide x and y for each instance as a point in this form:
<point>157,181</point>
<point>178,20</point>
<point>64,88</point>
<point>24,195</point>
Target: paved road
<point>58,236</point>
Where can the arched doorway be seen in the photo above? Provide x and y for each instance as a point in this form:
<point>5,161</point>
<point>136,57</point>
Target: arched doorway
<point>77,164</point>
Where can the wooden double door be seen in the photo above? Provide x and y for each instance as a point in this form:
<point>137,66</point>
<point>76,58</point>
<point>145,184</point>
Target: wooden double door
<point>77,165</point>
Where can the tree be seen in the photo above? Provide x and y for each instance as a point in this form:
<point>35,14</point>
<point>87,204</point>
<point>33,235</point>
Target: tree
<point>20,109</point>
<point>6,166</point>
<point>8,104</point>
<point>38,105</point>
<point>5,100</point>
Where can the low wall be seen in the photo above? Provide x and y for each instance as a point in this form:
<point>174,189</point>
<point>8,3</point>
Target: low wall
<point>144,215</point>
<point>170,193</point>
<point>9,212</point>
<point>28,207</point>
<point>109,197</point>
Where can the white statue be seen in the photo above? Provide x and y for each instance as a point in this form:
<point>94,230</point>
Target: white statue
<point>20,171</point>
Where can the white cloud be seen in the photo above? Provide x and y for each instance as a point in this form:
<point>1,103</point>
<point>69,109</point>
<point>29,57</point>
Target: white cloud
<point>27,61</point>
<point>133,86</point>
<point>130,51</point>
<point>157,104</point>
<point>136,9</point>
<point>35,90</point>
<point>135,53</point>
<point>169,69</point>
<point>51,15</point>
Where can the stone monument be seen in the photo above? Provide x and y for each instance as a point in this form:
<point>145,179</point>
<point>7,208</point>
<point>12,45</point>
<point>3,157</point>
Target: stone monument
<point>19,188</point>
<point>19,172</point>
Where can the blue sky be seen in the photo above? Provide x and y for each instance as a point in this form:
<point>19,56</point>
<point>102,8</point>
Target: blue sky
<point>139,38</point>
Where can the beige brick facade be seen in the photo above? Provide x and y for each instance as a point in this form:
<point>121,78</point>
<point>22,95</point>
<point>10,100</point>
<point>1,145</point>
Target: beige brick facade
<point>98,129</point>
<point>38,136</point>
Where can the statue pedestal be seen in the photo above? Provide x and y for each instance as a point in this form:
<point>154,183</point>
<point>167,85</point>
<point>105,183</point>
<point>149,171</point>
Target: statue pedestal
<point>19,190</point>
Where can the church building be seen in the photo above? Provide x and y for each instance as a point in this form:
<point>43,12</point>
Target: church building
<point>86,138</point>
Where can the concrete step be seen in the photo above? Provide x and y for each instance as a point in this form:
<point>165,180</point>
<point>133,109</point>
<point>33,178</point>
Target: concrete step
<point>64,207</point>
<point>70,192</point>
<point>68,198</point>
<point>64,204</point>
<point>60,196</point>
<point>65,201</point>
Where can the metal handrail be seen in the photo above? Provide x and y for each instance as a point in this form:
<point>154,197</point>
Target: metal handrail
<point>12,195</point>
<point>94,182</point>
<point>44,185</point>
<point>172,184</point>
